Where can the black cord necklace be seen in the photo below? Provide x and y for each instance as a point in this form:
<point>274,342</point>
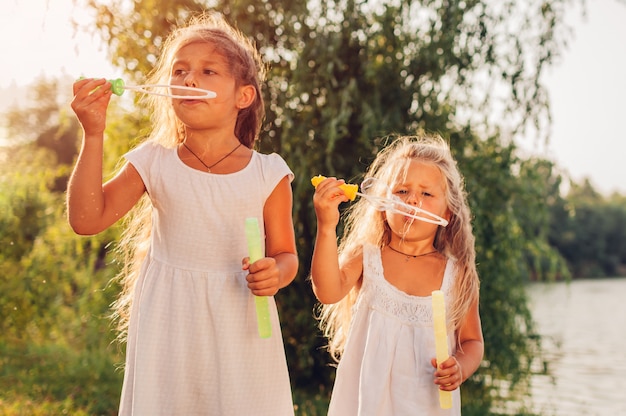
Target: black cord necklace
<point>408,256</point>
<point>208,168</point>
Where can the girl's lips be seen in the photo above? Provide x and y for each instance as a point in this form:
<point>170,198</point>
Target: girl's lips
<point>409,220</point>
<point>191,101</point>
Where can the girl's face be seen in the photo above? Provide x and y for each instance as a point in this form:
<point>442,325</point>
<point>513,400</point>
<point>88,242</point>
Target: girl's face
<point>424,187</point>
<point>200,65</point>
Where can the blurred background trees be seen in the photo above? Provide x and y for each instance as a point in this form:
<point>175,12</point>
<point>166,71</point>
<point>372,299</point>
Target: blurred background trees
<point>343,77</point>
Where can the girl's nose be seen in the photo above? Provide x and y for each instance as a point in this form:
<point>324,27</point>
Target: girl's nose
<point>190,79</point>
<point>413,199</point>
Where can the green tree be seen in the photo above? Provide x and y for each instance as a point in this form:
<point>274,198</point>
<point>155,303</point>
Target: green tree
<point>588,230</point>
<point>343,75</point>
<point>508,199</point>
<point>55,336</point>
<point>537,199</point>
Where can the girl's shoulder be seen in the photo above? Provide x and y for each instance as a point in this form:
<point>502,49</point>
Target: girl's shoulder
<point>355,255</point>
<point>270,158</point>
<point>150,157</point>
<point>272,165</point>
<point>146,149</point>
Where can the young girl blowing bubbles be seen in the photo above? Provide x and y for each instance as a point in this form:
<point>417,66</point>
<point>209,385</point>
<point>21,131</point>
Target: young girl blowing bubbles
<point>375,288</point>
<point>192,341</point>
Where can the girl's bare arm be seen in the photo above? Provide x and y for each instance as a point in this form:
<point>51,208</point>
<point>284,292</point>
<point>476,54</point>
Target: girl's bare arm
<point>280,242</point>
<point>92,206</point>
<point>471,344</point>
<point>330,283</point>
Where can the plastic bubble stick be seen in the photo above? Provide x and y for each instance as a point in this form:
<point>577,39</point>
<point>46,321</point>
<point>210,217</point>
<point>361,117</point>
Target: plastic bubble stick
<point>118,87</point>
<point>389,203</point>
<point>349,189</point>
<point>255,252</point>
<point>441,341</point>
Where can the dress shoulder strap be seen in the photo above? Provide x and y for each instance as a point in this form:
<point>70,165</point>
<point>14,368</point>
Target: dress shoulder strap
<point>449,276</point>
<point>372,262</point>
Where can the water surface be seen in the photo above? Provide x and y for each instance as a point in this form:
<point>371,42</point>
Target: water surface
<point>583,324</point>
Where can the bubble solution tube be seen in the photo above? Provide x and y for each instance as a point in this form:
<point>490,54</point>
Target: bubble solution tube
<point>255,252</point>
<point>441,341</point>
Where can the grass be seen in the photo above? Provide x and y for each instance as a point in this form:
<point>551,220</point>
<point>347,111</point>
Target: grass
<point>45,380</point>
<point>57,380</point>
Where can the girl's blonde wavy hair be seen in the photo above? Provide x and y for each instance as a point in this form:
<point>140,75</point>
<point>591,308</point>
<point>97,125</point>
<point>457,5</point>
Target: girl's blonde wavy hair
<point>247,68</point>
<point>365,224</point>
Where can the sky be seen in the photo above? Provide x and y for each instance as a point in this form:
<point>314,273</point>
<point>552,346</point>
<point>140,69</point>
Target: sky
<point>38,39</point>
<point>586,87</point>
<point>588,91</point>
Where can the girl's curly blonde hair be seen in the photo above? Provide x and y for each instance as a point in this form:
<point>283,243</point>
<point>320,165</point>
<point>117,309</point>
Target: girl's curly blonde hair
<point>365,224</point>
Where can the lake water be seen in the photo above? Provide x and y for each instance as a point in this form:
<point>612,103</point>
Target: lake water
<point>583,324</point>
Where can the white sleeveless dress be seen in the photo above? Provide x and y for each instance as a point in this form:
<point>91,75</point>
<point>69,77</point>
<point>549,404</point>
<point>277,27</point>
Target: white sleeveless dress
<point>193,346</point>
<point>385,368</point>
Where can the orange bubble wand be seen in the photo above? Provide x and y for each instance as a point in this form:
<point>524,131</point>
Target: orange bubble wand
<point>390,203</point>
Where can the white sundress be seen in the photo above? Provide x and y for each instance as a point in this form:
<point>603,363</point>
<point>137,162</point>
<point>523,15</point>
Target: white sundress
<point>193,346</point>
<point>385,368</point>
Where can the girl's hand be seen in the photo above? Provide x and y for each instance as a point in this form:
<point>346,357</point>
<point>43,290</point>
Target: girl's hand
<point>91,99</point>
<point>449,375</point>
<point>326,200</point>
<point>263,276</point>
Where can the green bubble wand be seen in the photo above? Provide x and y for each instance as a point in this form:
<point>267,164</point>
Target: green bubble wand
<point>118,87</point>
<point>255,252</point>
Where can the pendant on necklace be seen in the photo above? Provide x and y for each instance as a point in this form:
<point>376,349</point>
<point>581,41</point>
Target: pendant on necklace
<point>408,257</point>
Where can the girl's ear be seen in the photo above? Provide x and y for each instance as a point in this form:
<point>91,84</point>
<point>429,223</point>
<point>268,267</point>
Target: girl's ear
<point>247,95</point>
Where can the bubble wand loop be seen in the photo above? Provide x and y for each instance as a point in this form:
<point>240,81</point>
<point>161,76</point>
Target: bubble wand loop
<point>390,203</point>
<point>118,87</point>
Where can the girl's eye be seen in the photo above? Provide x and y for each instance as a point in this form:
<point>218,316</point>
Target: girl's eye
<point>182,72</point>
<point>426,194</point>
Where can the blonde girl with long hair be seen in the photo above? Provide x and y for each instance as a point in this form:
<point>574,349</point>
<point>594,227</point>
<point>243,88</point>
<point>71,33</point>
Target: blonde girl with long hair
<point>187,309</point>
<point>375,286</point>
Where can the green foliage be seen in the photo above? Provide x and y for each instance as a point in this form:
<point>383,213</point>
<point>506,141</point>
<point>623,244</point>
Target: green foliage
<point>343,75</point>
<point>50,276</point>
<point>307,403</point>
<point>496,197</point>
<point>539,191</point>
<point>55,342</point>
<point>588,230</point>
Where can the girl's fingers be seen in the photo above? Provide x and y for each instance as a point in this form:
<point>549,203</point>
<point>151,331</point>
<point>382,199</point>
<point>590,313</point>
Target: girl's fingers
<point>79,84</point>
<point>450,376</point>
<point>91,90</point>
<point>329,191</point>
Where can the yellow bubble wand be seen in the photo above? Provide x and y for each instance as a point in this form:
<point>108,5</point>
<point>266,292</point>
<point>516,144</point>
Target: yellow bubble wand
<point>441,341</point>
